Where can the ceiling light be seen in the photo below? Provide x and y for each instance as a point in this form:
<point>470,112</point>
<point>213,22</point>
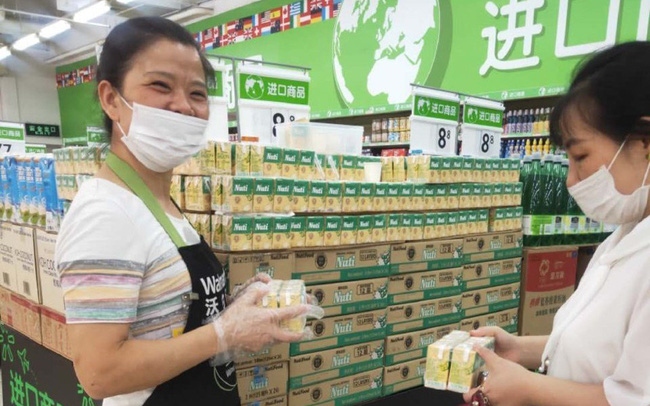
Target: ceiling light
<point>25,42</point>
<point>91,12</point>
<point>125,1</point>
<point>4,52</point>
<point>54,29</point>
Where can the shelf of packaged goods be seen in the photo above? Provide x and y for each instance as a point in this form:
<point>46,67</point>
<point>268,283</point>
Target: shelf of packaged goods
<point>523,136</point>
<point>386,145</point>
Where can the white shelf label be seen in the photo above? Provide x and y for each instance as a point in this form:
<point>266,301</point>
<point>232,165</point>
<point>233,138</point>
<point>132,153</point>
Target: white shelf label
<point>481,142</point>
<point>433,138</point>
<point>12,138</point>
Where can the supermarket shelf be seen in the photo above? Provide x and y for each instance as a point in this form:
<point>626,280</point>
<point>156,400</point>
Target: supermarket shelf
<point>385,144</point>
<point>523,136</point>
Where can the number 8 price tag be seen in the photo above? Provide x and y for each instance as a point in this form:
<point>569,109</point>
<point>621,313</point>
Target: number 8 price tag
<point>481,142</point>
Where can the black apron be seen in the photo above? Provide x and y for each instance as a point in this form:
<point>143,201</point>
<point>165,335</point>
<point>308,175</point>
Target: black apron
<point>203,384</point>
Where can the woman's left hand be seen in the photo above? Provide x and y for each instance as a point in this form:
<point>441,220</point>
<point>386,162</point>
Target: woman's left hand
<point>238,290</point>
<point>505,383</point>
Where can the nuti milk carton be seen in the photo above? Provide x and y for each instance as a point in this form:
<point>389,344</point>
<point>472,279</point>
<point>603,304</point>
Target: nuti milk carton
<point>379,229</point>
<point>429,199</point>
<point>298,231</point>
<point>290,163</point>
<point>399,169</point>
<point>334,197</point>
<point>237,194</point>
<point>349,230</point>
<point>256,160</point>
<point>441,196</point>
<point>351,192</point>
<point>467,173</point>
<point>479,168</point>
<point>281,233</point>
<point>300,195</point>
<point>406,196</point>
<point>360,171</point>
<point>439,359</point>
<point>417,202</point>
<point>394,227</point>
<point>453,197</point>
<point>387,169</point>
<point>348,168</point>
<point>364,234</point>
<point>315,236</point>
<point>366,195</point>
<point>306,168</point>
<point>263,195</point>
<point>242,159</point>
<point>263,233</point>
<point>287,294</point>
<point>317,196</point>
<point>332,167</point>
<point>197,193</point>
<point>435,168</point>
<point>216,203</point>
<point>283,196</point>
<point>466,364</point>
<point>417,227</point>
<point>272,162</point>
<point>379,200</point>
<point>224,154</point>
<point>392,197</point>
<point>333,226</point>
<point>237,233</point>
<point>217,231</point>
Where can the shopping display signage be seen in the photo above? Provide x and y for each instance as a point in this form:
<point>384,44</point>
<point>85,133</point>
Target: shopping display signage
<point>434,123</point>
<point>215,89</point>
<point>35,148</point>
<point>482,128</point>
<point>276,90</point>
<point>42,130</point>
<point>430,107</point>
<point>96,135</point>
<point>12,138</point>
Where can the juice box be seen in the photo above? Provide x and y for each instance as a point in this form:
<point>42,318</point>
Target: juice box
<point>504,170</point>
<point>256,160</point>
<point>472,222</point>
<point>333,226</point>
<point>306,169</point>
<point>317,196</point>
<point>224,153</point>
<point>332,169</point>
<point>435,169</point>
<point>217,193</point>
<point>483,219</point>
<point>453,197</point>
<point>379,229</point>
<point>508,194</point>
<point>387,169</point>
<point>463,219</point>
<point>477,195</point>
<point>177,191</point>
<point>300,195</point>
<point>478,171</point>
<point>467,173</point>
<point>237,194</point>
<point>515,168</point>
<point>456,169</point>
<point>466,364</point>
<point>412,168</point>
<point>242,159</point>
<point>495,176</point>
<point>441,197</point>
<point>208,159</point>
<point>315,232</point>
<point>364,233</point>
<point>465,195</point>
<point>399,169</point>
<point>283,199</point>
<point>217,231</point>
<point>439,359</point>
<point>486,197</point>
<point>518,190</point>
<point>406,196</point>
<point>452,224</point>
<point>417,227</point>
<point>290,163</point>
<point>497,194</point>
<point>282,233</point>
<point>286,294</point>
<point>423,173</point>
<point>429,197</point>
<point>334,199</point>
<point>237,233</point>
<point>430,226</point>
<point>489,174</point>
<point>320,164</point>
<point>360,171</point>
<point>348,168</point>
<point>272,162</point>
<point>349,230</point>
<point>366,196</point>
<point>263,195</point>
<point>381,195</point>
<point>393,197</point>
<point>393,229</point>
<point>417,202</point>
<point>441,226</point>
<point>405,229</point>
<point>351,192</point>
<point>298,231</point>
<point>263,233</point>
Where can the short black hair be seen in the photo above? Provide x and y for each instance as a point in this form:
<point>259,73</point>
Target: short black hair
<point>610,92</point>
<point>129,38</point>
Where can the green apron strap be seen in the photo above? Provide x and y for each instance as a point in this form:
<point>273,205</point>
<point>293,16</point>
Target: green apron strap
<point>131,178</point>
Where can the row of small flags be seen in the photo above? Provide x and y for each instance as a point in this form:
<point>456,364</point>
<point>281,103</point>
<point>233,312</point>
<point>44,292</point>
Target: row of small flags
<point>280,19</point>
<point>76,77</point>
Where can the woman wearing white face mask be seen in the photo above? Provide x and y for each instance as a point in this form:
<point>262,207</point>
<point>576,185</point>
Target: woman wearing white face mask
<point>597,352</point>
<point>145,297</point>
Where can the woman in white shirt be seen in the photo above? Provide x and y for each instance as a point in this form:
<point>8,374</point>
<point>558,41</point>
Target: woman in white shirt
<point>598,351</point>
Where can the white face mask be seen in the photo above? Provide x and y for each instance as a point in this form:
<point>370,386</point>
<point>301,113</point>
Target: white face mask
<point>598,198</point>
<point>161,139</point>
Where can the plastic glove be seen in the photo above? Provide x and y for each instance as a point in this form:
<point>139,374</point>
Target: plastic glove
<point>239,289</point>
<point>245,328</point>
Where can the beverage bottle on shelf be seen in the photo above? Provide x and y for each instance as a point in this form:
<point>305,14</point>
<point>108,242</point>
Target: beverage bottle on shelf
<point>518,122</point>
<point>524,178</point>
<point>528,148</point>
<point>547,116</point>
<point>531,122</point>
<point>560,194</point>
<point>547,146</point>
<point>528,124</point>
<point>547,205</point>
<point>538,121</point>
<point>533,220</point>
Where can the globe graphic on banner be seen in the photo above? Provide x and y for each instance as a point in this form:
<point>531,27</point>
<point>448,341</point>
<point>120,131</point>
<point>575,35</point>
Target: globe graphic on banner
<point>381,47</point>
<point>254,86</point>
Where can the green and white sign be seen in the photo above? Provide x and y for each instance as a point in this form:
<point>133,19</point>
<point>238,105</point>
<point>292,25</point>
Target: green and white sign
<point>35,148</point>
<point>96,135</point>
<point>434,123</point>
<point>275,90</point>
<point>482,128</point>
<point>12,138</point>
<point>216,89</point>
<point>219,94</point>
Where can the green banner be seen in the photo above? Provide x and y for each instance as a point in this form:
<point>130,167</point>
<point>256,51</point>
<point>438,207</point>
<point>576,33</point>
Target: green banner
<point>269,89</point>
<point>483,116</point>
<point>216,89</point>
<point>35,148</point>
<point>431,107</point>
<point>96,135</point>
<point>11,132</point>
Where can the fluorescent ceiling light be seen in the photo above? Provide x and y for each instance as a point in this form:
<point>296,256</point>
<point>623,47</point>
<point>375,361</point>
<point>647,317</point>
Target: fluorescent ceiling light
<point>91,12</point>
<point>125,1</point>
<point>54,29</point>
<point>4,52</point>
<point>26,42</point>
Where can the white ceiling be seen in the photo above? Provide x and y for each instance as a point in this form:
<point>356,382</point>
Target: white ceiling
<point>22,17</point>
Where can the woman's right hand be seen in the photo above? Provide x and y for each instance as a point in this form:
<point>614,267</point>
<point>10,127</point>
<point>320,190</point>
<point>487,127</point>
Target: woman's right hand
<point>506,345</point>
<point>245,327</point>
